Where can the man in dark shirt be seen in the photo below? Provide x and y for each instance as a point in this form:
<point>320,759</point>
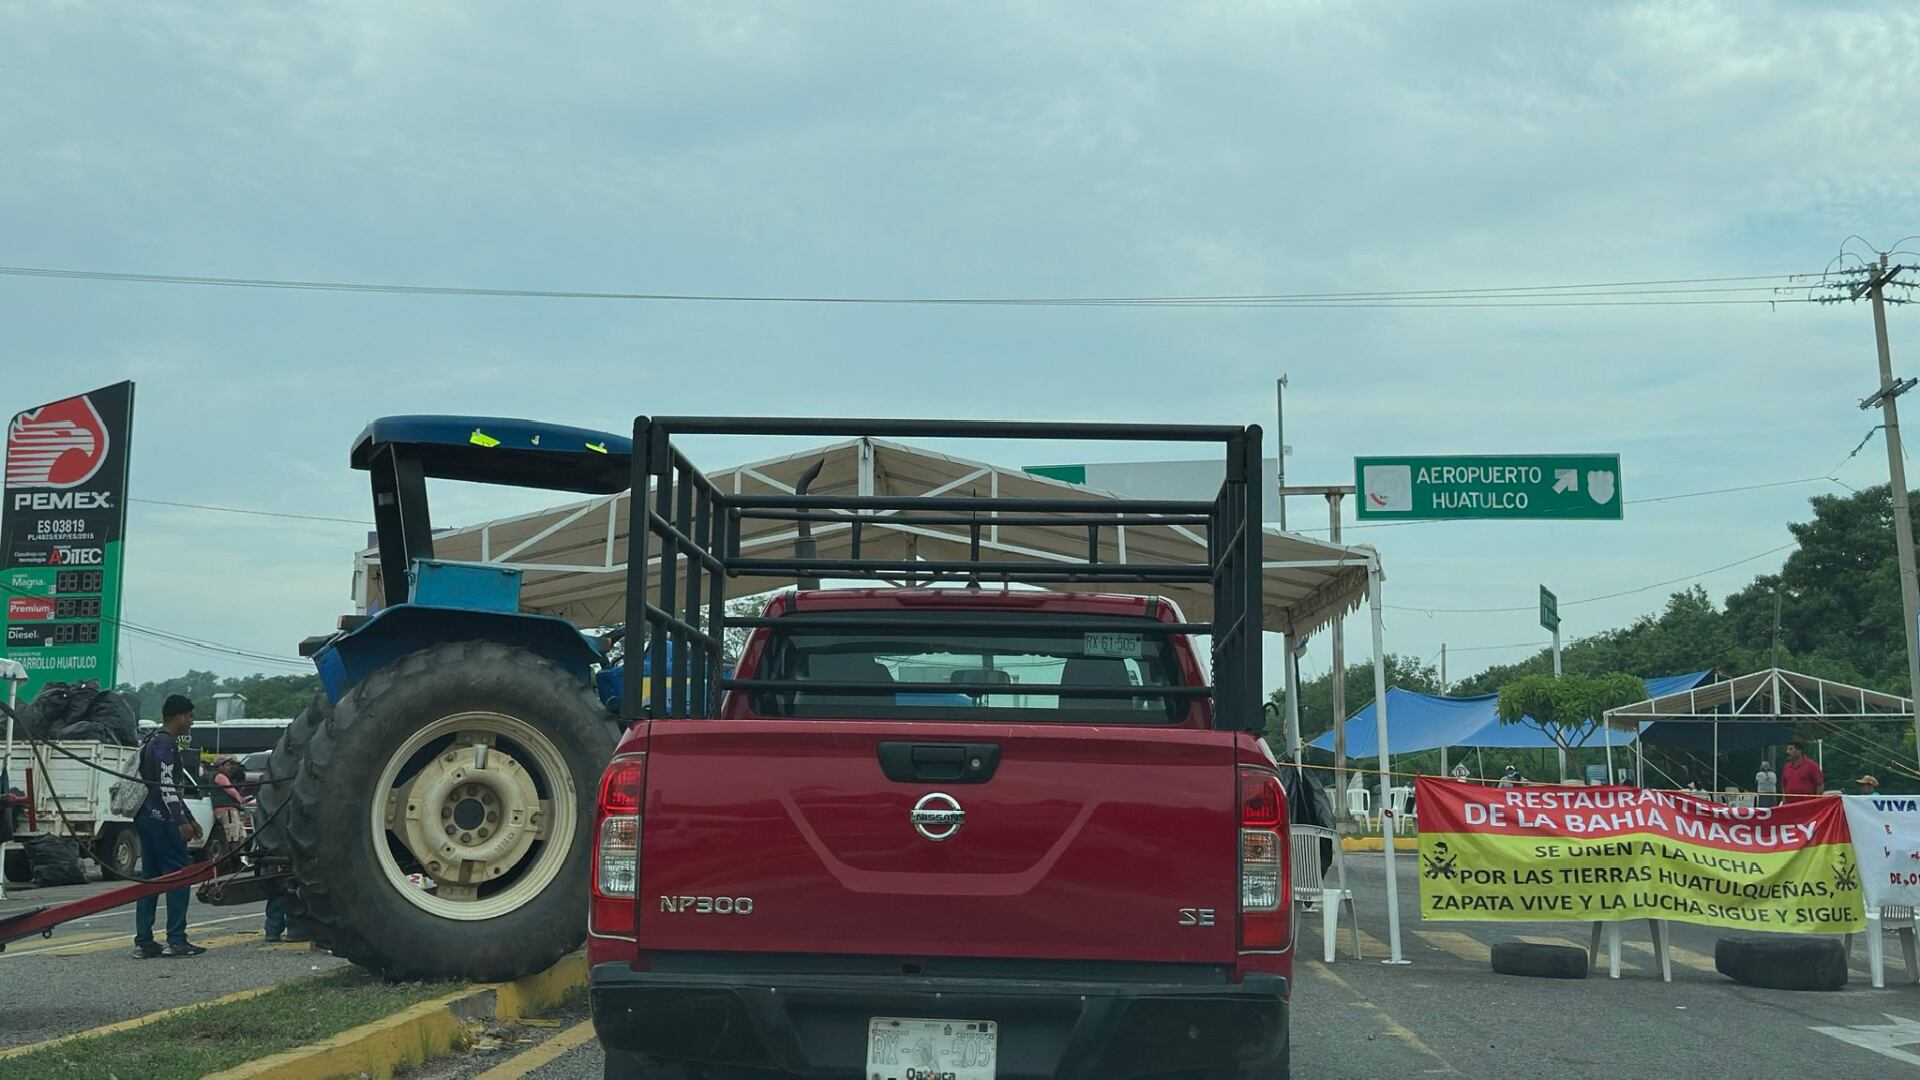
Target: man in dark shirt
<point>1801,775</point>
<point>166,825</point>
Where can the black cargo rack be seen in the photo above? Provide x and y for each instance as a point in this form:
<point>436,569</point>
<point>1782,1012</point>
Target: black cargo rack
<point>695,529</point>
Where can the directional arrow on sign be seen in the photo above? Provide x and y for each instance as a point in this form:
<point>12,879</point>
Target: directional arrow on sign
<point>1566,480</point>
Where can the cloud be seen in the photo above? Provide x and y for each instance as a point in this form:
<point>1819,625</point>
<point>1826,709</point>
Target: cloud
<point>994,149</point>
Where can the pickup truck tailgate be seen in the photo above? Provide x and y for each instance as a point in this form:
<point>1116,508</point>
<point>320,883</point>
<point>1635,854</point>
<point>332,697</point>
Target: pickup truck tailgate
<point>1085,842</point>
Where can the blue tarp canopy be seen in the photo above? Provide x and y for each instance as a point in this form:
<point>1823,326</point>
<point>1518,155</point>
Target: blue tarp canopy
<point>1429,722</point>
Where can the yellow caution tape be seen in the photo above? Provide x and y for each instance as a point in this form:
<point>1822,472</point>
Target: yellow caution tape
<point>481,438</point>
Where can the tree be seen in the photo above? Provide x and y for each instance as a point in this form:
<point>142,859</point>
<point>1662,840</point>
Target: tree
<point>1316,695</point>
<point>1567,709</point>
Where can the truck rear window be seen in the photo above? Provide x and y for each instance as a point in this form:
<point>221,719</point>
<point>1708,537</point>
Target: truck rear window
<point>984,675</point>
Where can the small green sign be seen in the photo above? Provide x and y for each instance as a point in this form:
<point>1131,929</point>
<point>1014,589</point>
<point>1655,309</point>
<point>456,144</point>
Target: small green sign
<point>1549,610</point>
<point>1519,486</point>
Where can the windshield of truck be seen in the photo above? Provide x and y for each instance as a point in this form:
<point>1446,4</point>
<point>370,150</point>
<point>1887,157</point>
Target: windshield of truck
<point>1026,672</point>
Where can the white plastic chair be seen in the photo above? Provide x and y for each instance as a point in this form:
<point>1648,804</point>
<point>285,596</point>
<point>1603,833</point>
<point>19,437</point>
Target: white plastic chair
<point>1900,920</point>
<point>1310,886</point>
<point>1400,799</point>
<point>1360,805</point>
<point>1610,931</point>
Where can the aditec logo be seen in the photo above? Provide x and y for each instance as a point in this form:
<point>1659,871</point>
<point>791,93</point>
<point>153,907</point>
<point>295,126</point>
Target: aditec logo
<point>61,445</point>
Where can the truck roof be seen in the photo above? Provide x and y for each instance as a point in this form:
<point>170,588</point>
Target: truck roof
<point>1114,604</point>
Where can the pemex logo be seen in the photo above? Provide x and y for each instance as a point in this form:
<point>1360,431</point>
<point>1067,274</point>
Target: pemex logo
<point>61,445</point>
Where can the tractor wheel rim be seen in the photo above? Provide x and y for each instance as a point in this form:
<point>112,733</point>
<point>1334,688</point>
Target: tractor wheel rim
<point>473,814</point>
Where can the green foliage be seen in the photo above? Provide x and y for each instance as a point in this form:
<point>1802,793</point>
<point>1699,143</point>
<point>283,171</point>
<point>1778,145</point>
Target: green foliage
<point>1316,696</point>
<point>1569,708</point>
<point>276,696</point>
<point>1840,619</point>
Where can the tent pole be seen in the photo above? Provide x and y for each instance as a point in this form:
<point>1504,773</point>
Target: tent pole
<point>1609,726</point>
<point>1443,762</point>
<point>1639,761</point>
<point>1386,764</point>
<point>1716,757</point>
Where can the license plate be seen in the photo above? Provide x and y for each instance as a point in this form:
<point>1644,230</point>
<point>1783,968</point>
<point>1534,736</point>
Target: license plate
<point>902,1049</point>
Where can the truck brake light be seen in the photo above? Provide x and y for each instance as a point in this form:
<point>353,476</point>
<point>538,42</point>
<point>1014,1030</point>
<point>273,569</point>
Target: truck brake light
<point>1266,886</point>
<point>616,853</point>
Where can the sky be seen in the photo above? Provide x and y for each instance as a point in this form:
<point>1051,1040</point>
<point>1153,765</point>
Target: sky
<point>869,149</point>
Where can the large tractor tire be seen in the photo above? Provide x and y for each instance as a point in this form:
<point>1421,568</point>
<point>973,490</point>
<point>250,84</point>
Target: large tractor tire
<point>441,822</point>
<point>270,826</point>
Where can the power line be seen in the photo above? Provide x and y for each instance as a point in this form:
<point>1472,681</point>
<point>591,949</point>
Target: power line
<point>201,644</point>
<point>1499,296</point>
<point>1624,502</point>
<point>1604,596</point>
<point>251,513</point>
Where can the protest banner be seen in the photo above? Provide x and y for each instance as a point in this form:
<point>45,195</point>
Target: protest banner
<point>1603,854</point>
<point>1886,841</point>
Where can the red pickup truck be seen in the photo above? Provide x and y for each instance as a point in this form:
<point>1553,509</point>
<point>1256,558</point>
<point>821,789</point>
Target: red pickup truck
<point>956,833</point>
<point>997,881</point>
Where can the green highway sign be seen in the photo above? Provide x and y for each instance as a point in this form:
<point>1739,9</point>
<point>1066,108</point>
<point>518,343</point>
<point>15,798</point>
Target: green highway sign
<point>1514,486</point>
<point>1549,610</point>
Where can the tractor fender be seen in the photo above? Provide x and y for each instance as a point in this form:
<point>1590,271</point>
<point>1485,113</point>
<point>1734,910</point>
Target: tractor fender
<point>403,629</point>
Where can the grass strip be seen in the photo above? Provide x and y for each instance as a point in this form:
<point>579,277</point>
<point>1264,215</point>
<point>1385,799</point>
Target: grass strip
<point>215,1037</point>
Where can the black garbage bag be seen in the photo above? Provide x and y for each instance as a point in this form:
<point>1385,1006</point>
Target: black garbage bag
<point>55,861</point>
<point>108,717</point>
<point>81,711</point>
<point>50,709</point>
<point>1309,804</point>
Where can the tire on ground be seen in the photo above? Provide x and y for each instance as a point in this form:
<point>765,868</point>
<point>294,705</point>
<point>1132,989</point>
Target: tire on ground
<point>1539,961</point>
<point>118,852</point>
<point>349,885</point>
<point>1783,962</point>
<point>17,868</point>
<point>270,826</point>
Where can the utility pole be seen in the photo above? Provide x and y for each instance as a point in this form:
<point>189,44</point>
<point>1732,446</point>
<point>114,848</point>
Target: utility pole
<point>1339,678</point>
<point>1443,669</point>
<point>1885,397</point>
<point>1280,444</point>
<point>1333,494</point>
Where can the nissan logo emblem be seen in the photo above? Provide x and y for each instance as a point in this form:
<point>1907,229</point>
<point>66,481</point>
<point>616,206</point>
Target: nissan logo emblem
<point>937,816</point>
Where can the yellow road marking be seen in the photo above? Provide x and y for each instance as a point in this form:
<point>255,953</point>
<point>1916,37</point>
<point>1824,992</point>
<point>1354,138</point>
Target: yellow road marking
<point>77,939</point>
<point>1393,1027</point>
<point>521,1064</point>
<point>1470,949</point>
<point>125,942</point>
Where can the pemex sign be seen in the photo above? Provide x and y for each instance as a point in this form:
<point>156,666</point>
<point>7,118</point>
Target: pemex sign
<point>61,526</point>
<point>1516,486</point>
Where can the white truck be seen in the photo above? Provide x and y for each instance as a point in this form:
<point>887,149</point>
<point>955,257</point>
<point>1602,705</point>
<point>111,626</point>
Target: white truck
<point>68,797</point>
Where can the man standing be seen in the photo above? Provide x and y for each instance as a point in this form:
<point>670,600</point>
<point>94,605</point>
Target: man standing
<point>1869,785</point>
<point>1801,775</point>
<point>1766,784</point>
<point>165,824</point>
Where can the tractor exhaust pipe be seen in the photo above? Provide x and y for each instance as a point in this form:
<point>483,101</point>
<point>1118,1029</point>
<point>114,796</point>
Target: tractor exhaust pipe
<point>803,545</point>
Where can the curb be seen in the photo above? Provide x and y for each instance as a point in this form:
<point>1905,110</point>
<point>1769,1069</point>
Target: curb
<point>1374,843</point>
<point>418,1032</point>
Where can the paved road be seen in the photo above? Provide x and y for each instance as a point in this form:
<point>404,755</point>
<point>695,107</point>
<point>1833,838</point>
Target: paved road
<point>85,975</point>
<point>1448,1014</point>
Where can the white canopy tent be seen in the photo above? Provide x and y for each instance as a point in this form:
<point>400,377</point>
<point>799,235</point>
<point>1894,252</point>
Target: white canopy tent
<point>1770,696</point>
<point>574,557</point>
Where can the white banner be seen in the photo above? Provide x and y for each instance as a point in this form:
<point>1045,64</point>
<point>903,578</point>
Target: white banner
<point>1886,843</point>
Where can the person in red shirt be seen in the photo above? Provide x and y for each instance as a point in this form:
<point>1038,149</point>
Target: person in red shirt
<point>1801,775</point>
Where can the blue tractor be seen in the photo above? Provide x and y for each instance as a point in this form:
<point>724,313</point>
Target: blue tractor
<point>433,806</point>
